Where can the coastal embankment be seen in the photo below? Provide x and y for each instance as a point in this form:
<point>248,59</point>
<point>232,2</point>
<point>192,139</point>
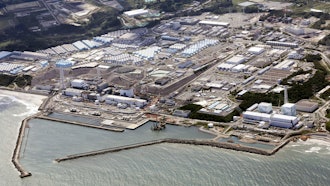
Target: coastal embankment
<point>224,145</point>
<point>79,123</point>
<point>17,150</point>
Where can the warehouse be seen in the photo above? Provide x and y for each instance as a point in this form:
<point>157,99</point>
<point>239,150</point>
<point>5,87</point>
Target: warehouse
<point>80,45</point>
<point>284,65</point>
<point>256,50</point>
<point>283,44</point>
<point>111,99</point>
<point>214,23</point>
<point>72,92</point>
<point>295,30</point>
<point>79,83</point>
<point>136,12</point>
<point>225,66</point>
<point>4,54</point>
<point>236,60</point>
<point>306,106</point>
<point>238,68</point>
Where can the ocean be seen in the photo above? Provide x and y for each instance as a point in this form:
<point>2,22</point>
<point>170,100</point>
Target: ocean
<point>299,163</point>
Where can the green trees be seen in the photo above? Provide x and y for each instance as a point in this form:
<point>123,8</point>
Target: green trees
<point>313,57</point>
<point>327,126</point>
<point>20,80</point>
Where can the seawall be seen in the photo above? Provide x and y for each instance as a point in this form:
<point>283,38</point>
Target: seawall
<point>231,146</point>
<point>80,124</point>
<point>17,150</point>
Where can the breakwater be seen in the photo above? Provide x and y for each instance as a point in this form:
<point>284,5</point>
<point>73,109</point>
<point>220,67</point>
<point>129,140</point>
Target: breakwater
<point>80,123</point>
<point>231,146</point>
<point>17,150</point>
<point>108,150</point>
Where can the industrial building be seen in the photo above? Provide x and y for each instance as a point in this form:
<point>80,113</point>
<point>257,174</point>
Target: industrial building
<point>295,55</point>
<point>283,44</point>
<point>284,65</point>
<point>264,107</point>
<point>236,60</point>
<point>199,46</point>
<point>78,83</point>
<point>306,106</point>
<point>295,30</point>
<point>136,12</point>
<point>10,68</point>
<point>276,120</point>
<point>113,99</point>
<point>214,23</point>
<point>72,92</point>
<point>289,109</point>
<point>256,50</point>
<point>225,66</point>
<point>181,113</point>
<point>4,54</point>
<point>127,92</point>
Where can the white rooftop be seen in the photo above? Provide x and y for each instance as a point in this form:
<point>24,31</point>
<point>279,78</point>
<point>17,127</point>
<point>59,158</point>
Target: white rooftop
<point>136,12</point>
<point>246,3</point>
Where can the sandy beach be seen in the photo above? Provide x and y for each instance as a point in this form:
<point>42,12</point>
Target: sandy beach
<point>31,101</point>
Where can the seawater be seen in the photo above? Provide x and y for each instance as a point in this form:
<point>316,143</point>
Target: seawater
<point>301,163</point>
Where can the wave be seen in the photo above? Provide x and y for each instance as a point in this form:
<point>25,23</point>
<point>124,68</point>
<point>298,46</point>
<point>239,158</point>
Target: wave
<point>5,101</point>
<point>31,108</point>
<point>314,149</point>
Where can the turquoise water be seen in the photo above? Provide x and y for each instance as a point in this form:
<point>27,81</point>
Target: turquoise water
<point>301,163</point>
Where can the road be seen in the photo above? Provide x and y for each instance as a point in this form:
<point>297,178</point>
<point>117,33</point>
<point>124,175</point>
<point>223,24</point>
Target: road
<point>50,11</point>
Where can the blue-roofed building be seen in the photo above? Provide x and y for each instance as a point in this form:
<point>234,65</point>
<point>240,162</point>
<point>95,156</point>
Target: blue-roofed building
<point>4,54</point>
<point>170,38</point>
<point>62,63</point>
<point>44,63</point>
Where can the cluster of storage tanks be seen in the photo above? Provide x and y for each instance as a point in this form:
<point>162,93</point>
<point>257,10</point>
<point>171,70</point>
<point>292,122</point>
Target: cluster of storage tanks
<point>198,46</point>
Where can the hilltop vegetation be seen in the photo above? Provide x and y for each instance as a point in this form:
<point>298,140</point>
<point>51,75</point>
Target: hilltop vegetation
<point>20,80</point>
<point>21,38</point>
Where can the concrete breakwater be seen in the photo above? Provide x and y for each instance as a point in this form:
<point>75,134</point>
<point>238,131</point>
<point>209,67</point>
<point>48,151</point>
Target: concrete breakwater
<point>224,145</point>
<point>80,123</point>
<point>108,150</point>
<point>17,150</point>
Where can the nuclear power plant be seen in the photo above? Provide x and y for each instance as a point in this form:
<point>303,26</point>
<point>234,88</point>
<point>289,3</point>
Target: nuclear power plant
<point>286,118</point>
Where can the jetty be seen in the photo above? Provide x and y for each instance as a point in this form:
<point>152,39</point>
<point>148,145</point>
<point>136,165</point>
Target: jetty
<point>80,123</point>
<point>17,150</point>
<point>225,145</point>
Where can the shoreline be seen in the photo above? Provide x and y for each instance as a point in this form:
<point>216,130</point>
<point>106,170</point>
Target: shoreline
<point>32,102</point>
<point>36,102</point>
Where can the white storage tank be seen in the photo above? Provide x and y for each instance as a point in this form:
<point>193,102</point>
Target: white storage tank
<point>264,107</point>
<point>289,109</point>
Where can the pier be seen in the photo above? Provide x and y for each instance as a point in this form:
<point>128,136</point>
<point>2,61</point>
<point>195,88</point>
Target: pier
<point>225,145</point>
<point>79,123</point>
